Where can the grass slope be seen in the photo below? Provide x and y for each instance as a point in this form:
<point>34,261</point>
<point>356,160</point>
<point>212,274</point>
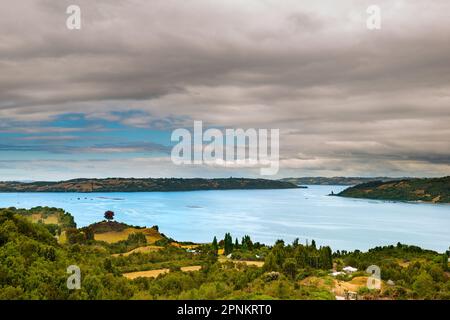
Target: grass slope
<point>436,190</point>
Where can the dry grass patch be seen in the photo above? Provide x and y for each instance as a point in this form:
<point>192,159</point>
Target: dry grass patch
<point>313,281</point>
<point>36,217</point>
<point>190,268</point>
<point>340,287</point>
<point>145,274</point>
<point>404,264</point>
<point>156,273</point>
<point>145,249</point>
<point>115,236</point>
<point>223,259</point>
<point>184,246</point>
<point>436,199</point>
<point>250,263</point>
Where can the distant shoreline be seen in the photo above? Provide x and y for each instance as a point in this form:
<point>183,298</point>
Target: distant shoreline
<point>145,185</point>
<point>425,190</point>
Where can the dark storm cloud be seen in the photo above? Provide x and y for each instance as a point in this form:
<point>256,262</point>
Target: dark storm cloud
<point>344,97</point>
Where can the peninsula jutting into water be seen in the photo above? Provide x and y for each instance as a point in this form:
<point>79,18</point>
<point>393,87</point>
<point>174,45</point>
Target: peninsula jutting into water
<point>436,190</point>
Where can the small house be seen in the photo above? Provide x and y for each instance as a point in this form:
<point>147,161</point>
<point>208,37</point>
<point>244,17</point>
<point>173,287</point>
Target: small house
<point>349,269</point>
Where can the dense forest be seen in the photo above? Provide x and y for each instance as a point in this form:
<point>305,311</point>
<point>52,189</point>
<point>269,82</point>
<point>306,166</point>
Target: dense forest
<point>435,190</point>
<point>142,185</point>
<point>146,264</point>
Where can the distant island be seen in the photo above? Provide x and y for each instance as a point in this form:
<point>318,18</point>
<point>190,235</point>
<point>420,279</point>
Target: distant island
<point>143,185</point>
<point>436,190</point>
<point>343,181</point>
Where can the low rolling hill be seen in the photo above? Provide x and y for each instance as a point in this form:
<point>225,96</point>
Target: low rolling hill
<point>142,185</point>
<point>113,231</point>
<point>436,190</point>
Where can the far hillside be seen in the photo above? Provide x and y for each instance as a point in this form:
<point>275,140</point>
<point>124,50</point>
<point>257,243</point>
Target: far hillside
<point>142,185</point>
<point>54,219</point>
<point>436,190</point>
<point>338,181</point>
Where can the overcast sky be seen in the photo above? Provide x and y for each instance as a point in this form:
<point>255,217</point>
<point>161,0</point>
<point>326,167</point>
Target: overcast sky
<point>102,101</point>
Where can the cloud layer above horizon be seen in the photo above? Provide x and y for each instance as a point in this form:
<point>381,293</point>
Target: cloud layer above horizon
<point>102,101</point>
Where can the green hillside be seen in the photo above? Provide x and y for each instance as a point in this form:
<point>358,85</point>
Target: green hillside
<point>436,190</point>
<point>343,181</point>
<point>33,265</point>
<point>142,185</point>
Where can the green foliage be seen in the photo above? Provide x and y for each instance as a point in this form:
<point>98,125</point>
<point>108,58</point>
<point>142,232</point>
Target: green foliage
<point>228,244</point>
<point>427,189</point>
<point>137,238</point>
<point>291,258</point>
<point>214,245</point>
<point>444,261</point>
<point>290,267</point>
<point>247,243</point>
<point>33,266</point>
<point>424,286</point>
<point>422,275</point>
<point>80,236</point>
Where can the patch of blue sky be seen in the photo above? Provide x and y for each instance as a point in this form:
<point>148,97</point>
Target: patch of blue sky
<point>83,138</point>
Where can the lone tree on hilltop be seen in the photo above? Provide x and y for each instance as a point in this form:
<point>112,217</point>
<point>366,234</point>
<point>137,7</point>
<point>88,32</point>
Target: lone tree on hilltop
<point>109,215</point>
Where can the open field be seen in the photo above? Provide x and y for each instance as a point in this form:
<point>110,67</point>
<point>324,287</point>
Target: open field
<point>114,236</point>
<point>184,246</point>
<point>223,259</point>
<point>250,263</point>
<point>51,219</point>
<point>318,282</point>
<point>145,274</point>
<point>145,249</point>
<point>156,273</point>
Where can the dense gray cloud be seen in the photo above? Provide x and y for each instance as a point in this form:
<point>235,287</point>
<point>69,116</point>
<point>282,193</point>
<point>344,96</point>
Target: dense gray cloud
<point>348,101</point>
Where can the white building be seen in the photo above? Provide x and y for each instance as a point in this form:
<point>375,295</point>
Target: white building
<point>349,269</point>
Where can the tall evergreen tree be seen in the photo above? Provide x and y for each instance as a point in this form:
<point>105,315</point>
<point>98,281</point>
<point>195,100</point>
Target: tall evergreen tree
<point>445,262</point>
<point>228,244</point>
<point>215,246</point>
<point>270,263</point>
<point>247,243</point>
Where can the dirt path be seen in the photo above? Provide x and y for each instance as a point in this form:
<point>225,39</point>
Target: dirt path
<point>340,287</point>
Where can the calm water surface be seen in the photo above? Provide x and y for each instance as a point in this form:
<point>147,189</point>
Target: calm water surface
<point>266,215</point>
